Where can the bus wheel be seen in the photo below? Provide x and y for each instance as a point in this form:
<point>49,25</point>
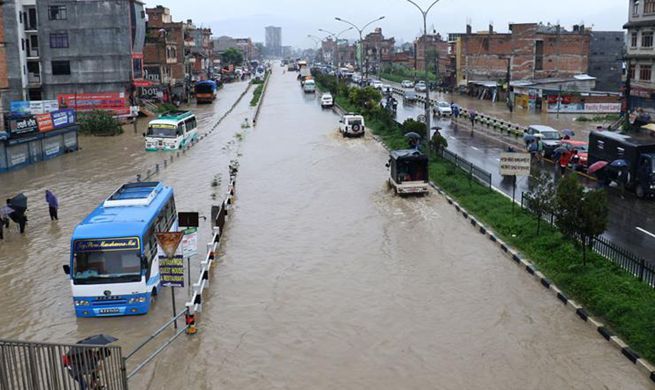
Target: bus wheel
<point>154,292</point>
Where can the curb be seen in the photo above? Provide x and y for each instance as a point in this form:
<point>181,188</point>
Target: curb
<point>642,364</point>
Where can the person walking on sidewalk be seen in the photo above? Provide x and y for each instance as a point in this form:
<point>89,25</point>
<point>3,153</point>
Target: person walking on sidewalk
<point>53,204</point>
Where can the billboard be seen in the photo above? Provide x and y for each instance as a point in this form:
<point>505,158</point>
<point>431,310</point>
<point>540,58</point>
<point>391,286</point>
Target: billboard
<point>25,107</point>
<point>108,101</point>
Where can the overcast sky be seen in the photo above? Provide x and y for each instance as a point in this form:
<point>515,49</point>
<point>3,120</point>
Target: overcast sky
<point>403,21</point>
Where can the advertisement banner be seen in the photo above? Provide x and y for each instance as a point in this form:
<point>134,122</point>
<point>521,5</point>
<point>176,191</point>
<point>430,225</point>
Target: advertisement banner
<point>63,118</point>
<point>515,164</point>
<point>22,125</point>
<point>152,73</point>
<point>24,107</point>
<point>110,101</point>
<point>20,107</point>
<point>190,242</point>
<point>44,121</point>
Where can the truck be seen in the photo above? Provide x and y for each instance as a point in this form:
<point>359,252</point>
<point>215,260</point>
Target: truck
<point>630,158</point>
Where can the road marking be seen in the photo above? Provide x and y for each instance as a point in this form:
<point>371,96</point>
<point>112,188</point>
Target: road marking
<point>645,232</point>
<point>474,148</point>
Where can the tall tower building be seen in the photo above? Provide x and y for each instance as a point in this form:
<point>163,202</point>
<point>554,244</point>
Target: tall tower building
<point>274,41</point>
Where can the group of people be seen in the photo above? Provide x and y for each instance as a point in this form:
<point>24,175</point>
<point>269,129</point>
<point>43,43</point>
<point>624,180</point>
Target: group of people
<point>16,212</point>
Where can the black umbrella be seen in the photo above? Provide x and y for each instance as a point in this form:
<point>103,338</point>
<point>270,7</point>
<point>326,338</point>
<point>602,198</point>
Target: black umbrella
<point>561,149</point>
<point>99,339</point>
<point>619,164</point>
<point>18,202</point>
<point>412,135</point>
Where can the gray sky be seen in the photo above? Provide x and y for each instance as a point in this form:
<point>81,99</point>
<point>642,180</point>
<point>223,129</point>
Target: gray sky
<point>403,21</point>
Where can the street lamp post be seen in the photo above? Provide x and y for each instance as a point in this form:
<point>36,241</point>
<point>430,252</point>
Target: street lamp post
<point>317,41</point>
<point>361,39</point>
<point>336,42</point>
<point>425,65</point>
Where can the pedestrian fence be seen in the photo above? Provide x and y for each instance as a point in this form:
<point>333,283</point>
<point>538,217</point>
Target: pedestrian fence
<point>622,257</point>
<point>474,171</point>
<point>44,366</point>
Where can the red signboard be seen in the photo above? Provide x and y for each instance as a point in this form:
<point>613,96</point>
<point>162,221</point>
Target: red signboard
<point>44,121</point>
<point>142,83</point>
<point>109,101</point>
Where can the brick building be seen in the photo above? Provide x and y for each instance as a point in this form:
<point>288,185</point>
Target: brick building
<point>532,51</point>
<point>377,49</point>
<point>437,53</point>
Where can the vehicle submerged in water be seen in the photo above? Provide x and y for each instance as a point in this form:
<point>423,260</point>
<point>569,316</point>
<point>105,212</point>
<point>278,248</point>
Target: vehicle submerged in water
<point>173,130</point>
<point>408,172</point>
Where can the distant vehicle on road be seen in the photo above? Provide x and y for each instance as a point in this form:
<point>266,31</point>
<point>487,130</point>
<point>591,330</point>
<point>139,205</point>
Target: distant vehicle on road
<point>377,84</point>
<point>580,160</point>
<point>631,160</point>
<point>114,260</point>
<point>408,172</point>
<point>407,84</point>
<point>352,125</point>
<point>410,97</point>
<point>260,73</point>
<point>443,109</point>
<point>205,91</point>
<point>327,100</point>
<point>386,89</point>
<point>420,86</point>
<point>309,86</point>
<point>549,136</point>
<point>173,130</point>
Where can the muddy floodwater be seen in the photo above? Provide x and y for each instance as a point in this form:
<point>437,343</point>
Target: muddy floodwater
<point>325,280</point>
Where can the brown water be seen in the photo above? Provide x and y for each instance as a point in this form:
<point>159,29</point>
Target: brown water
<point>328,281</point>
<point>36,297</point>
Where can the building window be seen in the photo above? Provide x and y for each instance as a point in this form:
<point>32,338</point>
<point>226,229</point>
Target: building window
<point>649,6</point>
<point>539,56</point>
<point>61,68</point>
<point>57,12</point>
<point>647,39</point>
<point>59,40</point>
<point>635,7</point>
<point>631,72</point>
<point>645,72</point>
<point>633,39</point>
<point>22,44</point>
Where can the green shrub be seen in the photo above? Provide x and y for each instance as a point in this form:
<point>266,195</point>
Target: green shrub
<point>99,122</point>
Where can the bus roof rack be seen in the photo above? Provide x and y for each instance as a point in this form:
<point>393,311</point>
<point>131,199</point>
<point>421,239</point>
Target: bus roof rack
<point>134,194</point>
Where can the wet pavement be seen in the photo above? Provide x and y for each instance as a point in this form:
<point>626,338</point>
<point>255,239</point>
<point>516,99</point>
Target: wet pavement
<point>627,213</point>
<point>327,280</point>
<point>36,296</point>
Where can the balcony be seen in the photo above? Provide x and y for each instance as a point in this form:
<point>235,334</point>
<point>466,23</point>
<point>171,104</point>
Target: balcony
<point>33,79</point>
<point>33,53</point>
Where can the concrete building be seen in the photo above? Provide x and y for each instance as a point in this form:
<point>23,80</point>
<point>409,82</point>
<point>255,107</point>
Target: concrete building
<point>530,50</point>
<point>274,41</point>
<point>606,53</point>
<point>4,75</point>
<point>377,49</point>
<point>640,88</point>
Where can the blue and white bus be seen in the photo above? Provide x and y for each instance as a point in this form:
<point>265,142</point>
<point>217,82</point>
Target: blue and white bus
<point>114,262</point>
<point>172,130</point>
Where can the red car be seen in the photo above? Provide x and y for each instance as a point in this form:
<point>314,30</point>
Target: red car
<point>579,161</point>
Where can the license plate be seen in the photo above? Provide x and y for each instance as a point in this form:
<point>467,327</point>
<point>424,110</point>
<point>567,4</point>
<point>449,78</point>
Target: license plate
<point>109,311</point>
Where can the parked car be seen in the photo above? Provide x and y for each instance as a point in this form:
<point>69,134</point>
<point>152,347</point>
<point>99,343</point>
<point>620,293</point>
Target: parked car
<point>580,161</point>
<point>407,84</point>
<point>635,156</point>
<point>420,86</point>
<point>410,97</point>
<point>352,125</point>
<point>443,109</point>
<point>327,100</point>
<point>549,136</point>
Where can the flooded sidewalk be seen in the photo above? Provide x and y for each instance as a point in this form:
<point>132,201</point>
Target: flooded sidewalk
<point>329,281</point>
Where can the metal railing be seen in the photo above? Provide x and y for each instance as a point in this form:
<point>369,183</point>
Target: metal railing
<point>471,169</point>
<point>37,366</point>
<point>618,255</point>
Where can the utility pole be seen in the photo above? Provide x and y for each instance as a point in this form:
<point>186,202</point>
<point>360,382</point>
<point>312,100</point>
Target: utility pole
<point>424,13</point>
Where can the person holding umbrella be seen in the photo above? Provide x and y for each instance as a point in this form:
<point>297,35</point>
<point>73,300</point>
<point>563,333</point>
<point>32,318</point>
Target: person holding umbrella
<point>53,204</point>
<point>84,364</point>
<point>19,204</point>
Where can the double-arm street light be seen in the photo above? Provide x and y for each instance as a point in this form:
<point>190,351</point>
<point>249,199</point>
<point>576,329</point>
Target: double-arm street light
<point>361,39</point>
<point>317,41</point>
<point>336,44</point>
<point>425,65</point>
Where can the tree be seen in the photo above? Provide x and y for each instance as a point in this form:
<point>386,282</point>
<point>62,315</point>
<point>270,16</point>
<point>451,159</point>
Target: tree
<point>232,56</point>
<point>365,98</point>
<point>541,197</point>
<point>99,122</point>
<point>581,215</point>
<point>411,125</point>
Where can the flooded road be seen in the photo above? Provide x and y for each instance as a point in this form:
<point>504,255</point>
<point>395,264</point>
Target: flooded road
<point>328,281</point>
<point>36,296</point>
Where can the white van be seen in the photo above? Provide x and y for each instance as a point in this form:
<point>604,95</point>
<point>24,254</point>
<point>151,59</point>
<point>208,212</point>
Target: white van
<point>309,86</point>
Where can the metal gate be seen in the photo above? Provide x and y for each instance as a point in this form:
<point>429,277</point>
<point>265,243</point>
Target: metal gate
<point>44,366</point>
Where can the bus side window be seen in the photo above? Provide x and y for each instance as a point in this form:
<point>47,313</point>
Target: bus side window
<point>190,124</point>
<point>180,128</point>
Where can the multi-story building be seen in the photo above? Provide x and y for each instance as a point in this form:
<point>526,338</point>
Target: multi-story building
<point>274,41</point>
<point>641,55</point>
<point>4,75</point>
<point>377,48</point>
<point>606,53</point>
<point>437,53</point>
<point>163,54</point>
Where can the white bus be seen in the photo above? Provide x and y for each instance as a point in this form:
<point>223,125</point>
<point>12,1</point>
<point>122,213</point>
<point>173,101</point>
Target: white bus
<point>173,130</point>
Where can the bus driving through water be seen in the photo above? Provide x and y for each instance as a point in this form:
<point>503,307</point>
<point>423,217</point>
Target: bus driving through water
<point>114,262</point>
<point>205,91</point>
<point>172,130</point>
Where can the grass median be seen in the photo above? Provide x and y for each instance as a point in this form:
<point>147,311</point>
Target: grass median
<point>625,304</point>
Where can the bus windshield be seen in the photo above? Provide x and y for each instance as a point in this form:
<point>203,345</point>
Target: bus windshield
<point>107,267</point>
<point>164,132</point>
